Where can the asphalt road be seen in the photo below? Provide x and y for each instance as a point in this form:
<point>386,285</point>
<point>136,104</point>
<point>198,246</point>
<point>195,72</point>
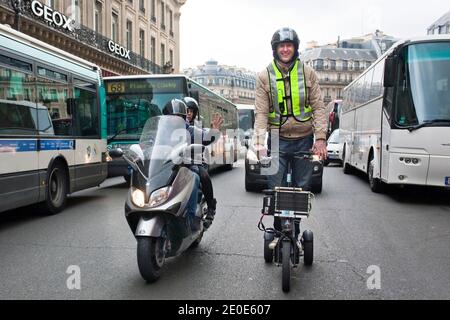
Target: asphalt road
<point>405,234</point>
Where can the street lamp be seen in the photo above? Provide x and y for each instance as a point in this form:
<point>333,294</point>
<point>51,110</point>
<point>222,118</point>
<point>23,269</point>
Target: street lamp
<point>17,7</point>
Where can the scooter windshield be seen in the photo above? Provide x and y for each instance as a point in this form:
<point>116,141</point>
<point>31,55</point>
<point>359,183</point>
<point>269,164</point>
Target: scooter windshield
<point>161,138</point>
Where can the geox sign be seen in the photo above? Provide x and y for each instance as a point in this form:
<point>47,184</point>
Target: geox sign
<point>48,14</point>
<point>119,50</point>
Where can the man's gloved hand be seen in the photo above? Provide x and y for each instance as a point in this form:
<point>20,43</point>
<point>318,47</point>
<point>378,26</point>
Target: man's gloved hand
<point>320,149</point>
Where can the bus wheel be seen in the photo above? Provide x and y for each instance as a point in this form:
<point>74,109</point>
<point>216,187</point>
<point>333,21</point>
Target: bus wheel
<point>375,184</point>
<point>56,189</point>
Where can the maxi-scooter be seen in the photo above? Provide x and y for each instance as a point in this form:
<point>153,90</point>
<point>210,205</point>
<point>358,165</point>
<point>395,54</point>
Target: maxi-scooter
<point>161,186</point>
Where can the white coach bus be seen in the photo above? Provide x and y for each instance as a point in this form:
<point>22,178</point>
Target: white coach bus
<point>395,118</point>
<point>52,124</point>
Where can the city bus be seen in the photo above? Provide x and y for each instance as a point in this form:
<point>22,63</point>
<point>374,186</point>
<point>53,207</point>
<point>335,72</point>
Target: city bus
<point>132,100</point>
<point>395,117</point>
<point>52,124</point>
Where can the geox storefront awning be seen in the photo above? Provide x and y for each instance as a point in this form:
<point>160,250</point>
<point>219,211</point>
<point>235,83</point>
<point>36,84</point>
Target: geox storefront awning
<point>42,22</point>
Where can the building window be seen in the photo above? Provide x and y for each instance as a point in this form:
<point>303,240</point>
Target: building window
<point>153,13</point>
<point>163,14</point>
<point>163,54</point>
<point>76,10</point>
<point>153,49</point>
<point>142,42</point>
<point>129,34</point>
<point>98,9</point>
<point>115,27</point>
<point>142,6</point>
<point>171,22</point>
<point>171,56</point>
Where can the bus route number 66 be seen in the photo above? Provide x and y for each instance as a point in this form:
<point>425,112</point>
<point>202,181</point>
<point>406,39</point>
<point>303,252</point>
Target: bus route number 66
<point>117,87</point>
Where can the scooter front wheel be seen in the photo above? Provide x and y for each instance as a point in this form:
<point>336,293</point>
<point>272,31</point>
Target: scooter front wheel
<point>151,256</point>
<point>286,266</point>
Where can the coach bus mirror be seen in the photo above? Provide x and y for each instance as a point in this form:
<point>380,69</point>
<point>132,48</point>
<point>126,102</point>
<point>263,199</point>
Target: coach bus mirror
<point>389,72</point>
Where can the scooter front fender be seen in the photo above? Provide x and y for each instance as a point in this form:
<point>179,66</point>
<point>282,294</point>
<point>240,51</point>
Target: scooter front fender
<point>150,227</point>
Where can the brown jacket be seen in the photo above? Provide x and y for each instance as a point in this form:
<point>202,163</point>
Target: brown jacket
<point>292,129</point>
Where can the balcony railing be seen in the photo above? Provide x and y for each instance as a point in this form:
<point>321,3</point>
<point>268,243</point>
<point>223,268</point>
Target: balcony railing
<point>82,34</point>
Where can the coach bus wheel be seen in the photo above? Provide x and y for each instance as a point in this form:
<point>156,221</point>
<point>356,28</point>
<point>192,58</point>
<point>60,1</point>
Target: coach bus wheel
<point>375,184</point>
<point>56,189</point>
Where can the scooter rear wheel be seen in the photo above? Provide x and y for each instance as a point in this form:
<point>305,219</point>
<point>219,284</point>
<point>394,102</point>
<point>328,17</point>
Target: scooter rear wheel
<point>286,272</point>
<point>150,257</point>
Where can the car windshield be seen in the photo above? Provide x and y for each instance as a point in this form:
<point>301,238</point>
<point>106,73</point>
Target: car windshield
<point>423,93</point>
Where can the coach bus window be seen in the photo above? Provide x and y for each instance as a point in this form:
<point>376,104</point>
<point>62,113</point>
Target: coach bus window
<point>85,115</point>
<point>17,103</point>
<point>54,96</point>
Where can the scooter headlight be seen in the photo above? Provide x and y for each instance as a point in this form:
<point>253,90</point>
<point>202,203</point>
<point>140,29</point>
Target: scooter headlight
<point>138,198</point>
<point>159,196</point>
<point>316,158</point>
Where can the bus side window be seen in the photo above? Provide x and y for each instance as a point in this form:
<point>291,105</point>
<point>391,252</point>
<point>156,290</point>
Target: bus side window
<point>17,106</point>
<point>54,95</point>
<point>85,113</point>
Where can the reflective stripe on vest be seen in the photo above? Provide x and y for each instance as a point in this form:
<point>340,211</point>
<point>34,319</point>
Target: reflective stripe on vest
<point>300,111</point>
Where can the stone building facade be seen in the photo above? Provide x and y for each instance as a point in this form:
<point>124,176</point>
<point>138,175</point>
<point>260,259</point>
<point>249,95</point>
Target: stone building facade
<point>235,84</point>
<point>123,37</point>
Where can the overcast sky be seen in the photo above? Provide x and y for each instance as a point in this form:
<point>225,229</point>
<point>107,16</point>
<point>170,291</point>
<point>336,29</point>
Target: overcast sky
<point>238,32</point>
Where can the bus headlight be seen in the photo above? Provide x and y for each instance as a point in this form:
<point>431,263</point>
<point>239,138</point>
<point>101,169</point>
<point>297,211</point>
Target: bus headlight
<point>138,198</point>
<point>159,196</point>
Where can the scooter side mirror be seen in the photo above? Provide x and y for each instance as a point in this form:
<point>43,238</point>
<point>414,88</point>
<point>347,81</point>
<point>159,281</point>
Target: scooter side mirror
<point>116,153</point>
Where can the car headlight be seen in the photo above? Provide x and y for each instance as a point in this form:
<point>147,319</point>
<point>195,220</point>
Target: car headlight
<point>251,157</point>
<point>138,198</point>
<point>159,196</point>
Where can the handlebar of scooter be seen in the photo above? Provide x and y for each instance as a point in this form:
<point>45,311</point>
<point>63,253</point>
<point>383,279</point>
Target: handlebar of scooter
<point>306,155</point>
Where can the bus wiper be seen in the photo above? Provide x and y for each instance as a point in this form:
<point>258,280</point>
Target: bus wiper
<point>427,123</point>
<point>122,131</point>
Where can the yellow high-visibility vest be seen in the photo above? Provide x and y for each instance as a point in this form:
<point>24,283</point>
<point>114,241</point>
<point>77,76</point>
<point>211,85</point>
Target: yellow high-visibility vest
<point>299,97</point>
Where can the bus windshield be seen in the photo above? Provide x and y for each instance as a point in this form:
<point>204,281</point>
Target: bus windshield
<point>131,102</point>
<point>423,94</point>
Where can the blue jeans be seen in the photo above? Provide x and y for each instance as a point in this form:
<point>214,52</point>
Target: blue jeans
<point>192,203</point>
<point>302,169</point>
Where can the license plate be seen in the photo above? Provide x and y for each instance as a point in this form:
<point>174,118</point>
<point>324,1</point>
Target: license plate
<point>447,181</point>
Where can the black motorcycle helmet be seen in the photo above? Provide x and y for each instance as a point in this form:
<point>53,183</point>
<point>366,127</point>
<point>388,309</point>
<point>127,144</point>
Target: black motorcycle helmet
<point>285,35</point>
<point>175,107</point>
<point>192,104</point>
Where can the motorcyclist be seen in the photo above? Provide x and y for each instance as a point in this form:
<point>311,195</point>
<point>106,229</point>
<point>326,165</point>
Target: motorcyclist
<point>207,187</point>
<point>178,107</point>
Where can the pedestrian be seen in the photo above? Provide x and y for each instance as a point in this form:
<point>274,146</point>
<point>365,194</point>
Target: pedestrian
<point>289,104</point>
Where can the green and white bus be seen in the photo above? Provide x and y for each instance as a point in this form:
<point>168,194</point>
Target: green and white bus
<point>132,100</point>
<point>52,124</point>
<point>395,117</point>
